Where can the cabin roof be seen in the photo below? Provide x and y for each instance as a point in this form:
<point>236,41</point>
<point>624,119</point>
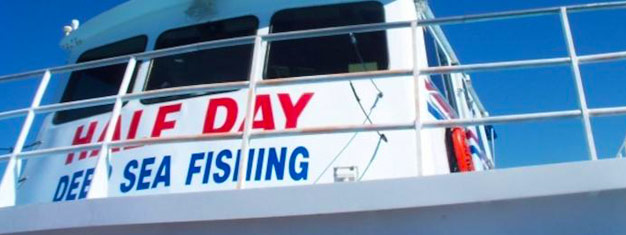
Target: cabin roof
<point>152,17</point>
<point>116,17</point>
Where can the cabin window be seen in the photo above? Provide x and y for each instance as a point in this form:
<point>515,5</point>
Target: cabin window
<point>435,58</point>
<point>329,54</point>
<point>226,64</point>
<point>98,82</point>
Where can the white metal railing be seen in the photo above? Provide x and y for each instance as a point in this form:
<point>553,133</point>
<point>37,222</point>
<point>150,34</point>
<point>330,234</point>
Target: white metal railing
<point>98,188</point>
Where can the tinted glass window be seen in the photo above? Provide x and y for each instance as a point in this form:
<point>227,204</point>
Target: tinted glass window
<point>225,64</point>
<point>98,82</point>
<point>331,54</point>
<point>436,57</point>
<point>432,54</point>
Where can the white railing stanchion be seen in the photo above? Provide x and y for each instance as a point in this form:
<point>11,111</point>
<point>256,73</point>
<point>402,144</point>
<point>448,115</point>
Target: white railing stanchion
<point>418,105</point>
<point>8,194</point>
<point>580,90</point>
<point>249,115</point>
<point>99,187</point>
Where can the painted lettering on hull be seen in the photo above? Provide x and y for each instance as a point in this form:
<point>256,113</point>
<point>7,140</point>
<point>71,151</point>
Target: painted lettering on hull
<point>275,164</point>
<point>165,121</point>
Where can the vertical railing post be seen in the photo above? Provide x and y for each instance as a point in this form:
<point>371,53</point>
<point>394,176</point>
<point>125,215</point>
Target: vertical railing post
<point>249,115</point>
<point>8,194</point>
<point>418,104</point>
<point>99,187</point>
<point>580,90</point>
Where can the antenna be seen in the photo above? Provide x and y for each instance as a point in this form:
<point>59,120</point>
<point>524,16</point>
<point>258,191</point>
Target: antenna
<point>75,24</point>
<point>379,96</point>
<point>68,29</point>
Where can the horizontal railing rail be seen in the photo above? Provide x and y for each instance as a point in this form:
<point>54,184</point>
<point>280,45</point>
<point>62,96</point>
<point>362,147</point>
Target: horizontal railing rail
<point>520,13</point>
<point>7,187</point>
<point>218,136</point>
<point>149,55</point>
<point>205,88</point>
<point>313,33</point>
<point>469,68</point>
<point>139,56</point>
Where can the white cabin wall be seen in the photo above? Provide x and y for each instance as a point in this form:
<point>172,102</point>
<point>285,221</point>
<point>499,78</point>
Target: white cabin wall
<point>399,158</point>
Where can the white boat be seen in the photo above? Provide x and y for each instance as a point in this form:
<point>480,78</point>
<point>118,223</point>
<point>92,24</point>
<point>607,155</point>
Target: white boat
<point>283,117</point>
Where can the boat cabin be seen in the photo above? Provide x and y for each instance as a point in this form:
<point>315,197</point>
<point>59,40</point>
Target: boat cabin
<point>196,62</point>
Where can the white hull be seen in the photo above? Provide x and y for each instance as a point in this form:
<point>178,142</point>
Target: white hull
<point>572,198</point>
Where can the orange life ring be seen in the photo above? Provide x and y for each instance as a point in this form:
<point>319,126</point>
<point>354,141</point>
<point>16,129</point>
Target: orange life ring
<point>461,150</point>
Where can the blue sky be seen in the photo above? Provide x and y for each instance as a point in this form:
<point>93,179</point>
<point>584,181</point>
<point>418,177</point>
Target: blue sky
<point>545,89</point>
<point>32,31</point>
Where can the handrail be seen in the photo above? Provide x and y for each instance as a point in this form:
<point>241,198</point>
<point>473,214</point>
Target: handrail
<point>521,13</point>
<point>503,119</point>
<point>13,113</point>
<point>573,60</point>
<point>106,100</point>
<point>210,45</point>
<point>598,112</point>
<point>479,67</point>
<point>315,33</point>
<point>139,56</point>
<point>220,136</point>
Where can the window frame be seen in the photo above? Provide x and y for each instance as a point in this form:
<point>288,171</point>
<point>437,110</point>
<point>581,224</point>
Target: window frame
<point>266,60</point>
<point>440,54</point>
<point>183,97</point>
<point>70,82</point>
